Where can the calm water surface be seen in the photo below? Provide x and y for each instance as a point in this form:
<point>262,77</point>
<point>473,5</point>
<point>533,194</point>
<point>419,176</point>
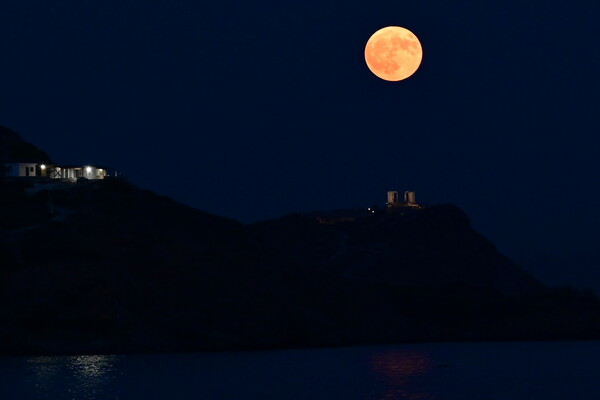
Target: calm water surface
<point>465,371</point>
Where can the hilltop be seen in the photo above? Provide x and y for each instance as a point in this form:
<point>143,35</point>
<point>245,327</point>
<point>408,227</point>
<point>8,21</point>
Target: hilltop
<point>14,149</point>
<point>105,267</point>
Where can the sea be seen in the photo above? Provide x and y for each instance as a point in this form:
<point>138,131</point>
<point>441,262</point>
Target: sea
<point>442,371</point>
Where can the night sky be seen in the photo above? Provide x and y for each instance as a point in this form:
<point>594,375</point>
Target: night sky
<point>254,109</point>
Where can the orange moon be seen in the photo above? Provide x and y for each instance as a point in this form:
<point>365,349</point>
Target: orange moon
<point>393,53</point>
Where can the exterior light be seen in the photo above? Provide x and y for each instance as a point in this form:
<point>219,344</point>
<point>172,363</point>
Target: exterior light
<point>88,170</point>
<point>43,166</point>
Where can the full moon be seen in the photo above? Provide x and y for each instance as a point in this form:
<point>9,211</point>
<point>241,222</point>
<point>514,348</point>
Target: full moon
<point>393,53</point>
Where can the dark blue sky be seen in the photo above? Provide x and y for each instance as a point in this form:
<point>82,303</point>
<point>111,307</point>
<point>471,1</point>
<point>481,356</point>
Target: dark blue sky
<point>255,109</point>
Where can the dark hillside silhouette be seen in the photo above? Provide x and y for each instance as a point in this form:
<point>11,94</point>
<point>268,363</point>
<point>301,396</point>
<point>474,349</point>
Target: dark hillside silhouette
<point>105,267</point>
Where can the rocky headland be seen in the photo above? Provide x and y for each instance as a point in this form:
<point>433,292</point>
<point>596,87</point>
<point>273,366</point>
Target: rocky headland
<point>102,266</point>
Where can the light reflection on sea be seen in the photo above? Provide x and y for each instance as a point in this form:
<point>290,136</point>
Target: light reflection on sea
<point>444,371</point>
<point>85,377</point>
<point>402,372</point>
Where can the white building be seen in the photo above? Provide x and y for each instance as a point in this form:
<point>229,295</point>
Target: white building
<point>21,169</point>
<point>71,173</point>
<point>76,172</point>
